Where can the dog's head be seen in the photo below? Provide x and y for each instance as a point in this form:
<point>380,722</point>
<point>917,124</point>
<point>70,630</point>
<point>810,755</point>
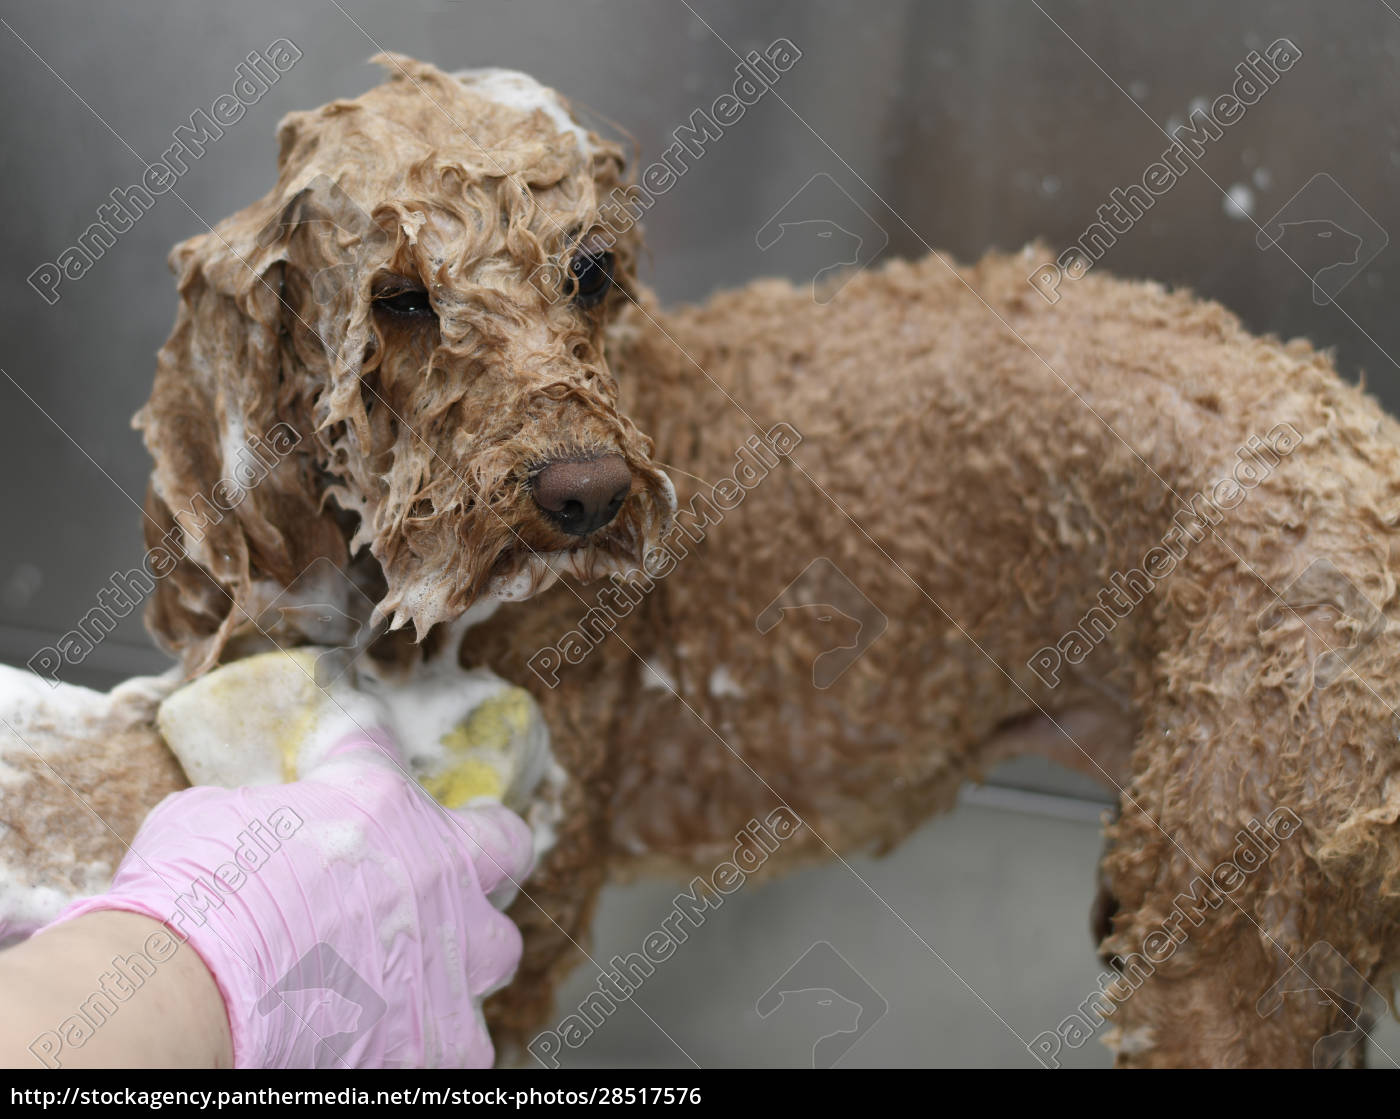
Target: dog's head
<point>422,300</point>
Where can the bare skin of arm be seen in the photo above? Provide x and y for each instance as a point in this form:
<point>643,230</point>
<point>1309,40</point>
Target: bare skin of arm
<point>77,996</point>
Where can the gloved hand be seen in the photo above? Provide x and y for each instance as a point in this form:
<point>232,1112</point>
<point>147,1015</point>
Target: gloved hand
<point>347,919</point>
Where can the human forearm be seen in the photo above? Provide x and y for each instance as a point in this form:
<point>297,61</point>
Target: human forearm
<point>110,989</point>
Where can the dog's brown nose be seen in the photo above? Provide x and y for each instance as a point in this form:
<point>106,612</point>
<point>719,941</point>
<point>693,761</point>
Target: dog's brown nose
<point>583,495</point>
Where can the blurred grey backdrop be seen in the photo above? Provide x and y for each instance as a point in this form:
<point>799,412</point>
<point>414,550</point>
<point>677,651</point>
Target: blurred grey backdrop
<point>954,125</point>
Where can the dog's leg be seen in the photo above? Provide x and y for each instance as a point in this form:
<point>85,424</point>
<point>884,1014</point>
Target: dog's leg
<point>554,913</point>
<point>1254,862</point>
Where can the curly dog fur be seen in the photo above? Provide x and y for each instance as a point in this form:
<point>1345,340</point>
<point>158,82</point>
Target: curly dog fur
<point>981,465</point>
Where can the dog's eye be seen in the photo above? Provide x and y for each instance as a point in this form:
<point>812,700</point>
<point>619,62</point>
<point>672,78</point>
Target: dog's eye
<point>406,302</point>
<point>592,274</point>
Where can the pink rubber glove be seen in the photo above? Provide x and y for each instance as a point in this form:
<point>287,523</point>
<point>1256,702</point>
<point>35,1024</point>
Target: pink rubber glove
<point>346,918</point>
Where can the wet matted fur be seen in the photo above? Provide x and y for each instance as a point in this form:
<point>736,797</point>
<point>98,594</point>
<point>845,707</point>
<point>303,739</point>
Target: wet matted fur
<point>979,464</point>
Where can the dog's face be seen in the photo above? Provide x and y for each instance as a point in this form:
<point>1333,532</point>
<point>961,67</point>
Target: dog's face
<point>423,298</point>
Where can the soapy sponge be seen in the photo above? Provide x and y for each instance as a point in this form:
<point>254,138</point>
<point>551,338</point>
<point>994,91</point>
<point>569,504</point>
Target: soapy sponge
<point>466,734</point>
<point>258,721</point>
<point>480,751</point>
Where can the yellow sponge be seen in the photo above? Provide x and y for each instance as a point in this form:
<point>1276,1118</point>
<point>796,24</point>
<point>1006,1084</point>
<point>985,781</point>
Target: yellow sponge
<point>248,722</point>
<point>479,749</point>
<point>265,720</point>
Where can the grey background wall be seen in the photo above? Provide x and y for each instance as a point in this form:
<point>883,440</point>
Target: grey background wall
<point>958,126</point>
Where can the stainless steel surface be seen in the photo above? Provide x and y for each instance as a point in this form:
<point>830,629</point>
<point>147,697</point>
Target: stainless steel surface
<point>973,934</point>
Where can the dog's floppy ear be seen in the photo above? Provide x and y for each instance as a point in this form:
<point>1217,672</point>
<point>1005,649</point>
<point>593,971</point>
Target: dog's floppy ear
<point>235,494</point>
